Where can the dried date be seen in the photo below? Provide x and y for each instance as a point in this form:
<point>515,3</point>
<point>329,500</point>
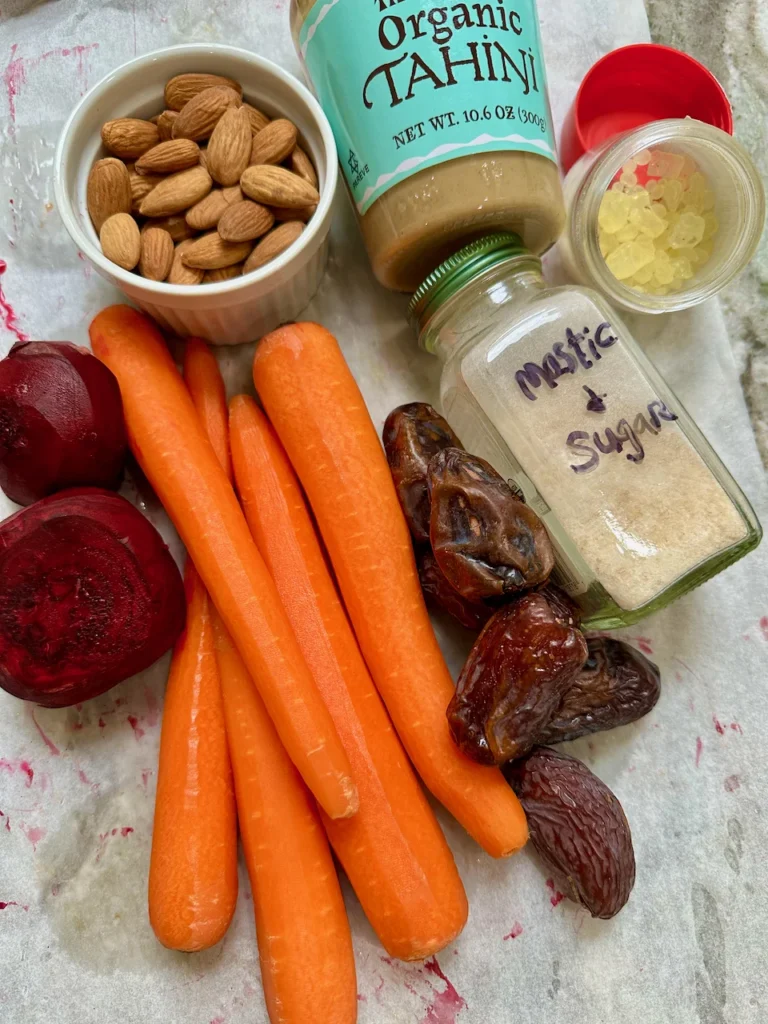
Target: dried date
<point>514,679</point>
<point>439,591</point>
<point>487,542</point>
<point>578,828</point>
<point>617,686</point>
<point>412,434</point>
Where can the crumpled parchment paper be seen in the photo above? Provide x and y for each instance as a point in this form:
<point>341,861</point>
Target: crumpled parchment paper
<point>77,786</point>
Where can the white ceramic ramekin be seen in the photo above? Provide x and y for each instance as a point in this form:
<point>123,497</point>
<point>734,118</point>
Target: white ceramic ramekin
<point>243,308</point>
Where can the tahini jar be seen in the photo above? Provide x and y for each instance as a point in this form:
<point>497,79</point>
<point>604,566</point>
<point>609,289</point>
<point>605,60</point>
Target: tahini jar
<point>548,385</point>
<point>442,122</point>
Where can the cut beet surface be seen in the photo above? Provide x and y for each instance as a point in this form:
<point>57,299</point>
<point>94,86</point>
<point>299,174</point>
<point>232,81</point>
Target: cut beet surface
<point>89,595</point>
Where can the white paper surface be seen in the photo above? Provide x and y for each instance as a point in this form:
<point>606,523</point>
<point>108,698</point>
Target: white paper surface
<point>77,786</point>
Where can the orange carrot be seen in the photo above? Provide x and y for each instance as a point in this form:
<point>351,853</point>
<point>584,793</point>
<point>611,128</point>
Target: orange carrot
<point>393,851</point>
<point>321,419</point>
<point>203,378</point>
<point>193,867</point>
<point>170,444</point>
<point>305,946</point>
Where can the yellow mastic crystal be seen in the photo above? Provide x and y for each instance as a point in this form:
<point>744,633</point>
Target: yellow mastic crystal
<point>655,236</point>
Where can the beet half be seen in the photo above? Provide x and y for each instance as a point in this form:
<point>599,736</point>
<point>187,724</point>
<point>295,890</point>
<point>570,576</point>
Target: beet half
<point>89,595</point>
<point>61,421</point>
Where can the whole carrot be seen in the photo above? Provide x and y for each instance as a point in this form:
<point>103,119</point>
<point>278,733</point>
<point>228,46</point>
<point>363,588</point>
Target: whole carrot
<point>393,851</point>
<point>193,867</point>
<point>305,946</point>
<point>170,444</point>
<point>203,379</point>
<point>320,416</point>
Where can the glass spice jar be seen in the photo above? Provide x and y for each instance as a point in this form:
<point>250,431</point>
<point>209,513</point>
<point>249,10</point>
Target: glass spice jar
<point>548,385</point>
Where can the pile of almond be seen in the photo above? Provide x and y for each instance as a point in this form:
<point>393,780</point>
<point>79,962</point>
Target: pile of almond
<point>207,190</point>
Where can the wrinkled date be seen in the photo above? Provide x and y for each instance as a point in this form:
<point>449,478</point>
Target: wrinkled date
<point>514,679</point>
<point>616,686</point>
<point>578,828</point>
<point>412,434</point>
<point>486,541</point>
<point>439,591</point>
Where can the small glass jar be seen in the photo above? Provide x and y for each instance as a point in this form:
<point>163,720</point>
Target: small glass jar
<point>548,385</point>
<point>735,210</point>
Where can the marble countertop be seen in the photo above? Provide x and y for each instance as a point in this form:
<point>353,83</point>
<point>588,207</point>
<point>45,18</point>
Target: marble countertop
<point>731,38</point>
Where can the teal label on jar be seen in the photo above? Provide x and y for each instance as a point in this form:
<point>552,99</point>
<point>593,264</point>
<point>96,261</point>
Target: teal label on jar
<point>408,84</point>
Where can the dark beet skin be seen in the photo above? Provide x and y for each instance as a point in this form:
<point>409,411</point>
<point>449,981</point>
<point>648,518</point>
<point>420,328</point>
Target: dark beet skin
<point>617,685</point>
<point>578,828</point>
<point>61,421</point>
<point>487,542</point>
<point>89,595</point>
<point>514,679</point>
<point>412,434</point>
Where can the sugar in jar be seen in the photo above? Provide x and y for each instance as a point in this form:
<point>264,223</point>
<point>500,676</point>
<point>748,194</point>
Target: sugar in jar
<point>548,385</point>
<point>442,122</point>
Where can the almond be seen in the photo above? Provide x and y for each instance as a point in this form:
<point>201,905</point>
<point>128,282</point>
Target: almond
<point>177,192</point>
<point>271,245</point>
<point>222,274</point>
<point>168,157</point>
<point>229,147</point>
<point>297,213</point>
<point>242,222</point>
<point>275,186</point>
<point>156,254</point>
<point>256,117</point>
<point>203,157</point>
<point>175,225</point>
<point>120,240</point>
<point>108,190</point>
<point>274,143</point>
<point>303,166</point>
<point>211,252</point>
<point>233,194</point>
<point>129,137</point>
<point>205,215</point>
<point>181,89</point>
<point>165,124</point>
<point>142,185</point>
<point>198,118</point>
<point>179,274</point>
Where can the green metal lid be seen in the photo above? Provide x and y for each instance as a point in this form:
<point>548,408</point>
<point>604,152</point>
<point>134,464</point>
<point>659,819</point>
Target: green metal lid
<point>459,269</point>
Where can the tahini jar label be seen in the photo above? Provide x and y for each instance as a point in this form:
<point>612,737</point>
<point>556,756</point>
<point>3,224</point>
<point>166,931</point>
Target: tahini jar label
<point>409,84</point>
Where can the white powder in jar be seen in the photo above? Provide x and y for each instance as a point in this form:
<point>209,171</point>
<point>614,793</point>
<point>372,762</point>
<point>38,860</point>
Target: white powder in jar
<point>600,445</point>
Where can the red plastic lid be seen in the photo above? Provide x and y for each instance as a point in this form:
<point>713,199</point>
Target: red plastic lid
<point>635,85</point>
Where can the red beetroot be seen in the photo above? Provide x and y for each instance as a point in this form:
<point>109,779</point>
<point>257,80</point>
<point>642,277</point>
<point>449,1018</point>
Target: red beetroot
<point>61,421</point>
<point>89,595</point>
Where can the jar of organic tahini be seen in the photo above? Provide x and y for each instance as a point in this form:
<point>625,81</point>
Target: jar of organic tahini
<point>442,123</point>
<point>548,385</point>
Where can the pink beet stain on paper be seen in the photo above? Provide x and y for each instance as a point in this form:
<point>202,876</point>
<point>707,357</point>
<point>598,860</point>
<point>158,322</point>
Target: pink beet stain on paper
<point>34,834</point>
<point>445,1006</point>
<point>13,903</point>
<point>737,728</point>
<point>46,740</point>
<point>8,314</point>
<point>719,727</point>
<point>732,783</point>
<point>557,897</point>
<point>517,930</point>
<point>644,643</point>
<point>133,721</point>
<point>699,748</point>
<point>153,709</point>
<point>764,627</point>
